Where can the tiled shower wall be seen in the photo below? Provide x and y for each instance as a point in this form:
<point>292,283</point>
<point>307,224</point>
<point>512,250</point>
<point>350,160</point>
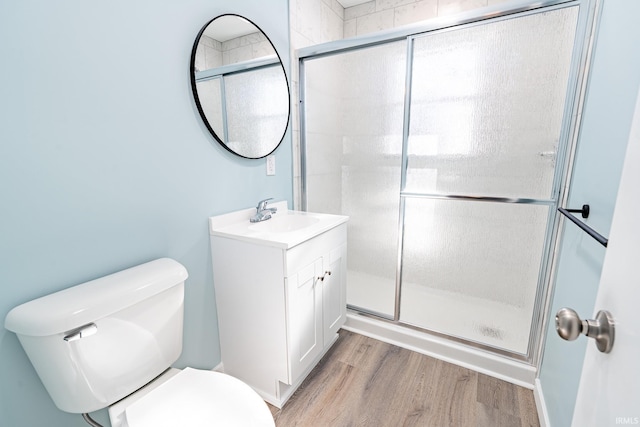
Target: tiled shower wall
<point>319,21</point>
<point>208,54</point>
<point>379,15</point>
<point>212,53</point>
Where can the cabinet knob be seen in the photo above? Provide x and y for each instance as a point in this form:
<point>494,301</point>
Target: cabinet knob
<point>326,273</point>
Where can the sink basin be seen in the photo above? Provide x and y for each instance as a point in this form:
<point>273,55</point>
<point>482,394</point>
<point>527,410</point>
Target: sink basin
<point>285,229</point>
<point>284,223</point>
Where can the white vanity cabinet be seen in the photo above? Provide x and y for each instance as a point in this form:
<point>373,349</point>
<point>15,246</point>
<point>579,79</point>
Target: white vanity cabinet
<point>315,298</point>
<point>280,296</point>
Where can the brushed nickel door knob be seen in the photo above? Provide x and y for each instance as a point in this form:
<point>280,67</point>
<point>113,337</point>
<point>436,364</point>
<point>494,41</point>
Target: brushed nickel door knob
<point>569,326</point>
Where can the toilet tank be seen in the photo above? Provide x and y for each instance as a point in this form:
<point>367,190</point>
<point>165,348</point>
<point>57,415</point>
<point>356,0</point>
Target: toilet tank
<point>97,342</point>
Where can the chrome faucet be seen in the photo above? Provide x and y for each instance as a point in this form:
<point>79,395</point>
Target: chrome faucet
<point>263,213</point>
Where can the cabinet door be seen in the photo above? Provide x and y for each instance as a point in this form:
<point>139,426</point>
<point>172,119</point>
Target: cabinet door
<point>304,298</point>
<point>334,292</point>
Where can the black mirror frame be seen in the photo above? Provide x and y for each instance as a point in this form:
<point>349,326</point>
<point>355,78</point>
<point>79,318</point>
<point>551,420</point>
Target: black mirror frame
<point>194,90</point>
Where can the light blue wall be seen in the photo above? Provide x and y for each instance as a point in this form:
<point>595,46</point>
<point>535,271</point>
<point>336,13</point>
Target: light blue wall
<point>105,163</point>
<point>610,102</point>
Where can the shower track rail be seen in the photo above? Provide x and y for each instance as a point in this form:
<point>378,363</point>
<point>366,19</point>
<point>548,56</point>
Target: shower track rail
<point>478,198</point>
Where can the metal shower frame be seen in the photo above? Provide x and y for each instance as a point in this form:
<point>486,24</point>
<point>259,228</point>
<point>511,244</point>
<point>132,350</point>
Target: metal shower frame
<point>576,88</point>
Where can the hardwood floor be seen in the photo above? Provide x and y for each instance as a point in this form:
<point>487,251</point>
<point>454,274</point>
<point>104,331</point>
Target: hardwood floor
<point>365,382</point>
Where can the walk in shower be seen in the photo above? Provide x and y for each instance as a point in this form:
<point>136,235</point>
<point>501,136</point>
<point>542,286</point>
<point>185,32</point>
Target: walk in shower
<point>447,145</point>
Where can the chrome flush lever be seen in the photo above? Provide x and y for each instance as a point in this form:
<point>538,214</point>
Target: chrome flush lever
<point>81,332</point>
<point>602,329</point>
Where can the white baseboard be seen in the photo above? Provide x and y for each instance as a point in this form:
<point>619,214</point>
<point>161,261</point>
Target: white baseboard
<point>541,406</point>
<point>512,371</point>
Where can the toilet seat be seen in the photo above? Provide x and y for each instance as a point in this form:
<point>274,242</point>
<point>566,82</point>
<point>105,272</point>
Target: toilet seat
<point>195,398</point>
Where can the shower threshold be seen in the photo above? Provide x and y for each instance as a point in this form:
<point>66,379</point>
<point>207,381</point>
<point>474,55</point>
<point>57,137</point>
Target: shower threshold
<point>443,348</point>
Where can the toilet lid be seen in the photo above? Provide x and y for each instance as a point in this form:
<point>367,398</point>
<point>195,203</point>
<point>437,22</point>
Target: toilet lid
<point>200,398</point>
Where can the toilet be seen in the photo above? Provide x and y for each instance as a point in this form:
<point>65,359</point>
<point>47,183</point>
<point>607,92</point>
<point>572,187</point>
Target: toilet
<point>109,343</point>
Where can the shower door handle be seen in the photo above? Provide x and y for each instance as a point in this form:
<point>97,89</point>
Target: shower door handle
<point>569,326</point>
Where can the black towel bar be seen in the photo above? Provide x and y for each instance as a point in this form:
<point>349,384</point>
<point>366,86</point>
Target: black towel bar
<point>585,214</point>
<point>584,211</point>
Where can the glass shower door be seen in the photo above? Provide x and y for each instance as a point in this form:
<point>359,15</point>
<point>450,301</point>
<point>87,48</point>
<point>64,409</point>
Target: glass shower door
<point>254,96</point>
<point>354,107</point>
<point>486,115</point>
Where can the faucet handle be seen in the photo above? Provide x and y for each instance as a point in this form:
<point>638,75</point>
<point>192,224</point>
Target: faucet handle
<point>262,204</point>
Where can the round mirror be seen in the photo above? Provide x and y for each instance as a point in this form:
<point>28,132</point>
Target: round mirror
<point>240,87</point>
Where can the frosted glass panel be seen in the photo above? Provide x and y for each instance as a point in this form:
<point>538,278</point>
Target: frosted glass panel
<point>470,269</point>
<point>210,95</point>
<point>487,104</point>
<point>354,119</point>
<point>254,97</point>
<point>486,112</point>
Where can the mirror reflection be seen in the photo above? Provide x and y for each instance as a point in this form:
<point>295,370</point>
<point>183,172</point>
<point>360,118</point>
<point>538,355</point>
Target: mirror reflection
<point>240,87</point>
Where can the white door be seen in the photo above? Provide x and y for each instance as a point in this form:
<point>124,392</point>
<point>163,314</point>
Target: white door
<point>609,392</point>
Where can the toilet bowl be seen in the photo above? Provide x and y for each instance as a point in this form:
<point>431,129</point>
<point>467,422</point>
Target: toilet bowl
<point>109,343</point>
<point>192,397</point>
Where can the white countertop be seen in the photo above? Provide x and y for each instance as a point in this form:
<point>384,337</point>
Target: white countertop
<point>285,229</point>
